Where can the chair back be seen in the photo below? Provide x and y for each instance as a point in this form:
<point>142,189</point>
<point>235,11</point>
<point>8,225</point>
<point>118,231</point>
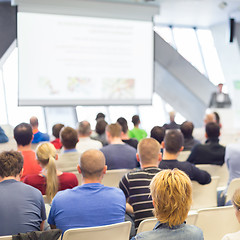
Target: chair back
<point>183,156</point>
<point>113,177</point>
<point>6,238</point>
<point>119,231</point>
<point>216,222</point>
<point>216,170</point>
<point>234,184</point>
<point>192,217</point>
<point>147,225</point>
<point>205,195</point>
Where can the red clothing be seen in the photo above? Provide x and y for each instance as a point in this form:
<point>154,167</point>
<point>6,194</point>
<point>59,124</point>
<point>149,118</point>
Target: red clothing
<point>57,143</point>
<point>66,181</point>
<point>30,164</point>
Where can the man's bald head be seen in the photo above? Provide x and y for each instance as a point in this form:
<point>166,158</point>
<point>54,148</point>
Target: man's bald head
<point>34,121</point>
<point>148,151</point>
<point>92,163</point>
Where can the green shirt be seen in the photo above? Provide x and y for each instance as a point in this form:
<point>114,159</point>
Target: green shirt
<point>137,133</point>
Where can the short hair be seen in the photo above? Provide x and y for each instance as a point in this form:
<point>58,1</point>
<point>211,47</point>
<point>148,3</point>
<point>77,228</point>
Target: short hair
<point>158,133</point>
<point>11,163</point>
<point>114,129</point>
<point>84,128</point>
<point>148,150</point>
<point>123,122</point>
<point>100,116</point>
<point>34,121</point>
<point>212,130</point>
<point>23,134</point>
<point>56,129</point>
<point>68,137</point>
<point>187,129</point>
<point>92,163</point>
<point>236,199</point>
<point>135,120</point>
<point>173,141</point>
<point>217,117</point>
<point>171,191</point>
<point>100,126</point>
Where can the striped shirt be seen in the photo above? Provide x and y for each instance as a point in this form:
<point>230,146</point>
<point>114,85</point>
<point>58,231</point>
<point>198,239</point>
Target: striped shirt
<point>135,186</point>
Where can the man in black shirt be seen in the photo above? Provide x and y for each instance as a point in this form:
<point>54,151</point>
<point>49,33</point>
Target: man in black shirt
<point>173,145</point>
<point>135,184</point>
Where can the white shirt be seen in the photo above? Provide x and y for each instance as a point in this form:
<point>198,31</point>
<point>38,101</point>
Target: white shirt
<point>86,143</point>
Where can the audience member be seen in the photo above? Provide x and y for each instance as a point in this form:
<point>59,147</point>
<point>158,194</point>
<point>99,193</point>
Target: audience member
<point>22,207</point>
<point>90,204</point>
<point>172,124</point>
<point>173,145</point>
<point>55,132</point>
<point>210,117</point>
<point>100,133</point>
<point>135,184</point>
<point>136,132</point>
<point>124,135</point>
<point>158,133</point>
<point>236,204</point>
<point>69,158</point>
<point>3,136</point>
<point>50,180</point>
<point>171,192</point>
<point>23,135</point>
<point>84,140</point>
<point>189,141</point>
<point>211,152</point>
<point>117,153</point>
<point>38,136</point>
<point>100,116</point>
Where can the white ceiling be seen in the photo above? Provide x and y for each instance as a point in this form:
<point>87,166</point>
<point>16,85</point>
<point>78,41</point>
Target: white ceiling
<point>199,13</point>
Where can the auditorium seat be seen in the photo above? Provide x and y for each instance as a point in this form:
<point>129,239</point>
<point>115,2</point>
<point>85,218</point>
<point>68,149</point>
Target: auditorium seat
<point>183,156</point>
<point>6,238</point>
<point>216,222</point>
<point>119,231</point>
<point>205,195</point>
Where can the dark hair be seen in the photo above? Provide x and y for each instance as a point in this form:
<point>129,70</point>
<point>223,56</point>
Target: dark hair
<point>68,137</point>
<point>158,133</point>
<point>100,115</point>
<point>135,120</point>
<point>123,122</point>
<point>173,141</point>
<point>23,134</point>
<point>56,129</point>
<point>100,126</point>
<point>212,130</point>
<point>187,129</point>
<point>217,117</point>
<point>11,163</point>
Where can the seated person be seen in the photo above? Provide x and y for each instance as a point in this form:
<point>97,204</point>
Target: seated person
<point>211,152</point>
<point>189,141</point>
<point>236,204</point>
<point>100,133</point>
<point>22,207</point>
<point>90,204</point>
<point>158,133</point>
<point>3,136</point>
<point>38,136</point>
<point>55,132</point>
<point>173,145</point>
<point>23,135</point>
<point>118,154</point>
<point>171,192</point>
<point>137,132</point>
<point>135,184</point>
<point>50,180</point>
<point>124,135</point>
<point>69,158</point>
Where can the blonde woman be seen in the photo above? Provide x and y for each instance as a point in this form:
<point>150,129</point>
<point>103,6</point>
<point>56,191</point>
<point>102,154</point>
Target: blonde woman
<point>50,180</point>
<point>236,204</point>
<point>171,192</point>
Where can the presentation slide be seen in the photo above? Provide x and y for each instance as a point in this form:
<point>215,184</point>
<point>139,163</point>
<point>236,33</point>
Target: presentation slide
<point>72,60</point>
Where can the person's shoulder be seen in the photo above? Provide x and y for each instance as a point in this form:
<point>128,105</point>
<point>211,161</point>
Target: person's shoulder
<point>29,189</point>
<point>194,230</point>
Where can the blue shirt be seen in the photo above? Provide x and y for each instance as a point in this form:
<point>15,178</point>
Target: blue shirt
<point>120,156</point>
<point>164,232</point>
<point>88,205</point>
<point>3,137</point>
<point>40,137</point>
<point>22,208</point>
